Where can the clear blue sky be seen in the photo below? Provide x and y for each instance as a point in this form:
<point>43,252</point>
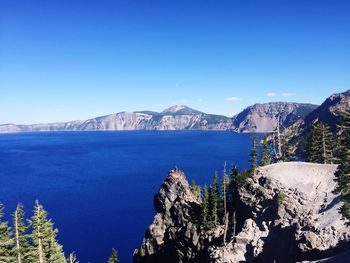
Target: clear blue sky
<point>66,59</point>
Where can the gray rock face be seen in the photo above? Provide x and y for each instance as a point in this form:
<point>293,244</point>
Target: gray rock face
<point>294,214</point>
<point>286,213</point>
<point>178,117</point>
<point>175,234</point>
<point>257,118</point>
<point>263,117</point>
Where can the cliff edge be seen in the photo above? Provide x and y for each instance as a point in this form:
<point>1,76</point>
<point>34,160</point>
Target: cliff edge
<point>286,213</point>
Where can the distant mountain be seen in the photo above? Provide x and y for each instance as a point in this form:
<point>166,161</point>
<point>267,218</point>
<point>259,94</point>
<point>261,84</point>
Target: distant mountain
<point>256,118</point>
<point>178,117</point>
<point>180,110</point>
<point>327,113</point>
<point>263,117</point>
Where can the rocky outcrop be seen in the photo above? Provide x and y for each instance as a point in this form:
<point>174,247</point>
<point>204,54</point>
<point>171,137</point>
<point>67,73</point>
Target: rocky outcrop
<point>294,215</point>
<point>263,117</point>
<point>286,213</point>
<point>175,234</point>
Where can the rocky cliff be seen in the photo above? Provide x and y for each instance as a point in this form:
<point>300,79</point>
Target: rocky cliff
<point>327,112</point>
<point>257,118</point>
<point>178,117</point>
<point>263,117</point>
<point>286,213</point>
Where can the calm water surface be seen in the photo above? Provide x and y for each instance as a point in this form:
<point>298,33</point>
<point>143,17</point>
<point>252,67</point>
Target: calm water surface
<point>98,186</point>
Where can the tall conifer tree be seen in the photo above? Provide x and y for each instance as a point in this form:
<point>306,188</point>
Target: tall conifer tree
<point>22,246</point>
<point>205,208</point>
<point>343,156</point>
<point>45,249</point>
<point>213,201</point>
<point>321,144</point>
<point>253,156</point>
<point>6,241</point>
<point>223,200</point>
<point>265,153</point>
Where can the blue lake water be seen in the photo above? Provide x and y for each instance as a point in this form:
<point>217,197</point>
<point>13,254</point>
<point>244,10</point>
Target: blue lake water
<point>98,186</point>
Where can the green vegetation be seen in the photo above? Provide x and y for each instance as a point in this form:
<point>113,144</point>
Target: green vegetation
<point>6,241</point>
<point>321,144</point>
<point>218,204</point>
<point>325,147</point>
<point>281,197</point>
<point>265,153</point>
<point>253,156</point>
<point>287,153</point>
<point>343,159</point>
<point>213,202</point>
<point>35,241</point>
<point>205,208</point>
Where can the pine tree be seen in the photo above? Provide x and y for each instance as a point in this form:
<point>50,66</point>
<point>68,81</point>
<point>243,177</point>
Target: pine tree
<point>253,156</point>
<point>205,213</point>
<point>20,235</point>
<point>45,249</point>
<point>314,145</point>
<point>6,241</point>
<point>321,144</point>
<point>343,156</point>
<point>265,153</point>
<point>213,201</point>
<point>114,257</point>
<point>232,188</point>
<point>287,154</point>
<point>223,200</point>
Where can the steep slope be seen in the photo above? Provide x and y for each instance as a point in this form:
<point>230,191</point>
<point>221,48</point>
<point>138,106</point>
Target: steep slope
<point>328,113</point>
<point>263,117</point>
<point>286,213</point>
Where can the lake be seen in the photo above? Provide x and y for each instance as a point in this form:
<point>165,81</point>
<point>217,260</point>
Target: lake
<point>98,187</point>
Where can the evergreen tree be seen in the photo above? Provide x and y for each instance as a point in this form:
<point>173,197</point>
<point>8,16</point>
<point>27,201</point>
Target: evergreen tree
<point>213,201</point>
<point>205,208</point>
<point>114,257</point>
<point>321,144</point>
<point>6,241</point>
<point>223,200</point>
<point>45,249</point>
<point>253,156</point>
<point>343,172</point>
<point>265,153</point>
<point>232,188</point>
<point>287,154</point>
<point>196,190</point>
<point>20,235</point>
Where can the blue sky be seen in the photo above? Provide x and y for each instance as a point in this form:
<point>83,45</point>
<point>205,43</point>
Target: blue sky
<point>67,59</point>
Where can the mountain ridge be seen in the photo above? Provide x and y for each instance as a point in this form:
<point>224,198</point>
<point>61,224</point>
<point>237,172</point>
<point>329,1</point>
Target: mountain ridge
<point>328,112</point>
<point>177,117</point>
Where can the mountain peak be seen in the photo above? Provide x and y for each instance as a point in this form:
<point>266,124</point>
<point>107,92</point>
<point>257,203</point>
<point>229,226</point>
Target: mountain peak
<point>180,109</point>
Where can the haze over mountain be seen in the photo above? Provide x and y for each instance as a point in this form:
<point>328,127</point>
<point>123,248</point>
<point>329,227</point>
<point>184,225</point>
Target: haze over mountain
<point>257,118</point>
